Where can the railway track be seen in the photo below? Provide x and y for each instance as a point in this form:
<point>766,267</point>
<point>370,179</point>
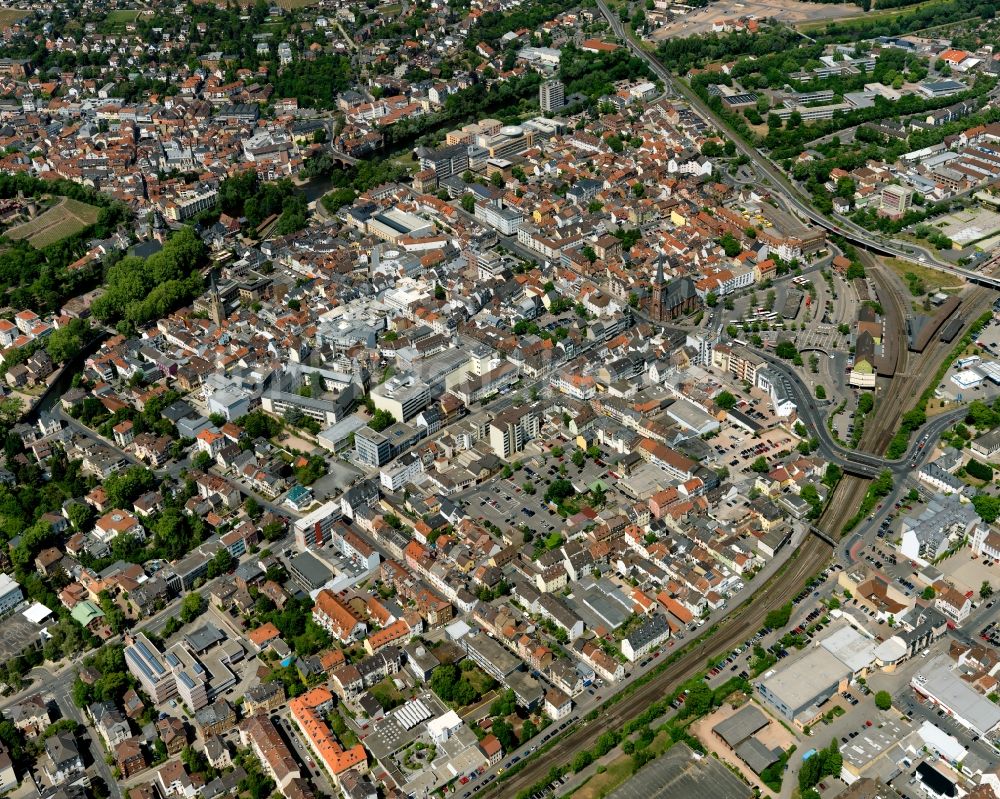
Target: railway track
<point>914,371</point>
<point>732,631</point>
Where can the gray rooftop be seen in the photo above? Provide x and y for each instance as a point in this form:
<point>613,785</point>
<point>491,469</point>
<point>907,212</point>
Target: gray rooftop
<point>741,725</point>
<point>681,773</point>
<point>799,682</point>
<point>938,680</point>
<point>756,755</point>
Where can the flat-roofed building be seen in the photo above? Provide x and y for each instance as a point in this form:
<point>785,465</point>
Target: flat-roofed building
<point>395,224</point>
<point>944,686</point>
<point>404,396</point>
<point>10,593</point>
<point>148,666</point>
<point>314,529</point>
<point>490,656</point>
<point>512,429</point>
<point>309,572</point>
<point>796,690</point>
<point>680,773</point>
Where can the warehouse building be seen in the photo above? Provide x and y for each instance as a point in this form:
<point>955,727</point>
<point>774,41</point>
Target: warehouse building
<point>739,732</point>
<point>797,691</point>
<point>679,772</point>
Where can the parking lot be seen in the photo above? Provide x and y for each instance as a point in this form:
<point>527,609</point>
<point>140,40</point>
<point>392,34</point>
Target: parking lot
<point>987,347</point>
<point>735,451</point>
<point>505,502</point>
<point>968,574</point>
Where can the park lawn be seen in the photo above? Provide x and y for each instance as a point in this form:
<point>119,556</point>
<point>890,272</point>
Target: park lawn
<point>407,161</point>
<point>933,279</point>
<point>65,218</point>
<point>479,680</point>
<point>117,19</point>
<point>387,693</point>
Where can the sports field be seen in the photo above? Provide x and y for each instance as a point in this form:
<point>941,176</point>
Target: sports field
<point>63,219</point>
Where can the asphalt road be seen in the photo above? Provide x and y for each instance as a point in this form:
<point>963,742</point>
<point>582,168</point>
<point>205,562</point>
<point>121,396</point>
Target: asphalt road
<point>812,413</point>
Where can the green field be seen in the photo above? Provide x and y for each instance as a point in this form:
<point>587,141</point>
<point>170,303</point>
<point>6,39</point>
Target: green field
<point>8,16</point>
<point>291,5</point>
<point>61,220</point>
<point>874,14</point>
<point>122,15</point>
<point>116,20</point>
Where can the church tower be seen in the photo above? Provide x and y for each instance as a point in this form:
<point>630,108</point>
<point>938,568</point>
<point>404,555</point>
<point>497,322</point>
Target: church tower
<point>216,312</point>
<point>658,291</point>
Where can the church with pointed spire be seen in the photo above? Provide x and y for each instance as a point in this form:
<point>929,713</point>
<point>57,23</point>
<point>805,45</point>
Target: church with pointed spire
<point>216,310</point>
<point>669,301</point>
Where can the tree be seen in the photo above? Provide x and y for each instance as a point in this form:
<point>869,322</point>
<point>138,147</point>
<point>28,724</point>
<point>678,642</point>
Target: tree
<point>81,693</point>
<point>987,507</point>
<point>778,617</point>
<point>979,470</point>
<point>81,515</point>
<point>192,606</point>
<point>699,699</point>
<point>252,508</point>
<point>221,562</point>
<point>730,245</point>
<point>833,475</point>
<point>504,705</point>
<point>579,458</point>
<point>123,488</point>
<point>820,392</point>
<point>883,700</point>
<point>759,465</point>
<point>580,762</point>
<point>64,344</point>
<point>725,400</point>
<point>985,590</point>
<point>272,531</point>
<point>381,419</point>
<point>711,299</point>
<point>928,593</point>
<point>559,490</point>
<point>468,203</point>
<point>786,349</point>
